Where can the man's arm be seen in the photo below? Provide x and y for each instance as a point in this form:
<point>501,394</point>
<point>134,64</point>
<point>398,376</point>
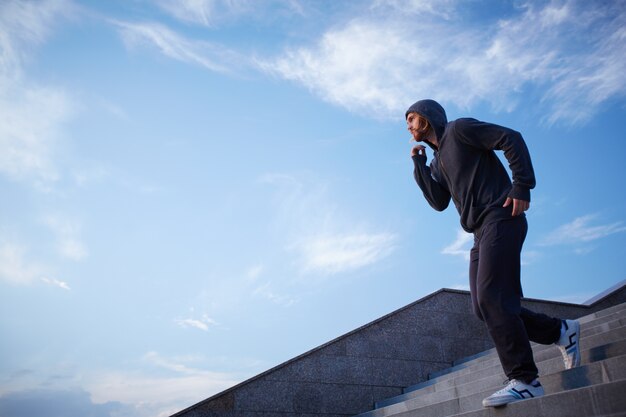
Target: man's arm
<point>437,196</point>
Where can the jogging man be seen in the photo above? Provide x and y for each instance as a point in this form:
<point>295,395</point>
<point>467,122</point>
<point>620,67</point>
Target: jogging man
<point>466,169</point>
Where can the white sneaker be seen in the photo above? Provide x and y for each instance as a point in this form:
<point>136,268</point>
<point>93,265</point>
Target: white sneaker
<point>514,391</point>
<point>569,343</point>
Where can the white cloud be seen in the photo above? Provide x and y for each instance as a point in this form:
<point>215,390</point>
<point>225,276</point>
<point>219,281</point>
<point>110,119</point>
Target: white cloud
<point>210,12</point>
<point>72,249</point>
<point>464,287</point>
<point>193,11</point>
<point>379,65</point>
<point>56,283</point>
<point>69,244</point>
<point>157,395</point>
<point>358,67</point>
<point>331,254</point>
<point>329,241</point>
<point>13,267</point>
<point>203,323</point>
<point>28,142</point>
<point>441,8</point>
<point>584,250</point>
<point>580,231</point>
<point>461,245</point>
<point>167,395</point>
<point>159,387</point>
<point>203,12</point>
<point>265,291</point>
<point>90,175</point>
<point>575,51</point>
<point>65,402</point>
<point>254,272</point>
<point>173,45</point>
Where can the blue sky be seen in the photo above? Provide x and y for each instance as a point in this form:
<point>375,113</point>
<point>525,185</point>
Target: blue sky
<point>196,191</point>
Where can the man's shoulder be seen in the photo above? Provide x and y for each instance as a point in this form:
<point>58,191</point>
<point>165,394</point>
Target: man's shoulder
<point>469,123</point>
<point>461,127</point>
<point>463,123</point>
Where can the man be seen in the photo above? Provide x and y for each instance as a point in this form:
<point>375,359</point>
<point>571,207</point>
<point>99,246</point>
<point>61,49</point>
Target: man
<point>466,169</point>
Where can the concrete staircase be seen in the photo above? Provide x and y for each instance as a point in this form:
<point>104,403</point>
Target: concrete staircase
<point>596,388</point>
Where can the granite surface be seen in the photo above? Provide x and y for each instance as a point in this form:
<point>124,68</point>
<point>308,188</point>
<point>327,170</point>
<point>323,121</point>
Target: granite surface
<point>347,375</point>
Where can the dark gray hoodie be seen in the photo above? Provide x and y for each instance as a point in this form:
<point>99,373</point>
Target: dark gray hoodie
<point>466,168</point>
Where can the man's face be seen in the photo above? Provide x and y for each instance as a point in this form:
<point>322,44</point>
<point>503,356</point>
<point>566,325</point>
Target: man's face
<point>416,126</point>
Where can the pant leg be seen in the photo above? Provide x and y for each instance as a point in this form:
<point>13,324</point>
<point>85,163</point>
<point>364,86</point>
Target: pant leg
<point>473,272</point>
<point>540,327</point>
<point>498,292</point>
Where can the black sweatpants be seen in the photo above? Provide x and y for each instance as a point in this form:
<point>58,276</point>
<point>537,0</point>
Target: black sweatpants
<point>496,297</point>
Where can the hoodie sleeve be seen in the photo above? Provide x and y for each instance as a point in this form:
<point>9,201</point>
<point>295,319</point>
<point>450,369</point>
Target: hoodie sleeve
<point>436,194</point>
<point>487,136</point>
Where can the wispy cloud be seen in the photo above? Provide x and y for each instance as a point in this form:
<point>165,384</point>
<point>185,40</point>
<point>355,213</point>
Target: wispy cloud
<point>56,283</point>
<point>69,244</point>
<point>378,61</point>
<point>28,142</point>
<point>154,358</point>
<point>266,292</point>
<point>441,8</point>
<point>580,230</point>
<point>254,272</point>
<point>15,269</point>
<point>211,12</point>
<point>208,55</point>
<point>67,402</point>
<point>330,242</point>
<point>180,386</point>
<point>193,11</point>
<point>575,51</point>
<point>331,254</point>
<point>156,386</point>
<point>461,245</point>
<point>358,67</point>
<point>379,65</point>
<point>202,324</point>
<point>203,12</point>
<point>464,287</point>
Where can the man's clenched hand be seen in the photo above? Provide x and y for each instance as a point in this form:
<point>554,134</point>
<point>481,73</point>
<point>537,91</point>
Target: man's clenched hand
<point>418,150</point>
<point>519,206</point>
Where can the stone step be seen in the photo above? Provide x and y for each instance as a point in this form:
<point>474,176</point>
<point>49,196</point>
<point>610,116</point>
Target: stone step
<point>623,414</point>
<point>594,348</point>
<point>543,352</point>
<point>588,328</point>
<point>472,403</point>
<point>600,400</point>
<point>601,327</point>
<point>602,313</point>
<point>469,396</point>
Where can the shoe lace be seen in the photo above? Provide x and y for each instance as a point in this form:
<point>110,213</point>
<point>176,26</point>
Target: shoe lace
<point>507,383</point>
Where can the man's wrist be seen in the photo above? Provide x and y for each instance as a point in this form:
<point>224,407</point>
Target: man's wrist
<point>519,192</point>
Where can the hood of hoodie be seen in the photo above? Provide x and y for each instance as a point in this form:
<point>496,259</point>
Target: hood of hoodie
<point>433,112</point>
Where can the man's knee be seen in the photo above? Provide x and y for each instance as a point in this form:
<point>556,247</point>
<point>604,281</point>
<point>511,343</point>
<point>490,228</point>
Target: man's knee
<point>494,306</point>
